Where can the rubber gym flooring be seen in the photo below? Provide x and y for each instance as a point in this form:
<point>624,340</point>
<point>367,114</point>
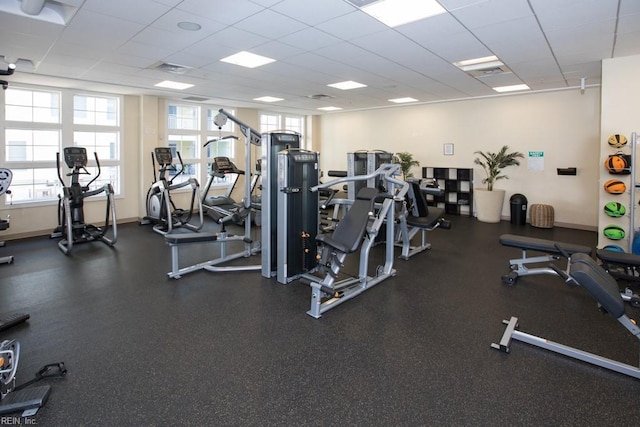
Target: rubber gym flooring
<point>238,349</point>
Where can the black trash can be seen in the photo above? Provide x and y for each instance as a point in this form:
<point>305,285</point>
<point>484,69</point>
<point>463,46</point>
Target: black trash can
<point>518,209</point>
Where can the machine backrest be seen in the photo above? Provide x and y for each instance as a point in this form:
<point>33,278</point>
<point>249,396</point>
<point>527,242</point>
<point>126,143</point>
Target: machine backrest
<point>5,180</point>
<point>351,228</point>
<point>420,201</point>
<point>600,284</point>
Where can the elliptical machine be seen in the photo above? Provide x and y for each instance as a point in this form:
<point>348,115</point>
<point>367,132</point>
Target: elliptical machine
<point>161,211</point>
<point>5,181</point>
<point>71,226</point>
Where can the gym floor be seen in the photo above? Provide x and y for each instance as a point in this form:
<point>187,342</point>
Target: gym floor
<point>238,349</point>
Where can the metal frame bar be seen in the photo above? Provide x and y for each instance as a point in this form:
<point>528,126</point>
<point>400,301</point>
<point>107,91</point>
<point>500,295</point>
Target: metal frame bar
<point>511,332</point>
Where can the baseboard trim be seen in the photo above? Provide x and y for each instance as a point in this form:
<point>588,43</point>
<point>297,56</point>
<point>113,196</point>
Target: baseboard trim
<point>45,233</point>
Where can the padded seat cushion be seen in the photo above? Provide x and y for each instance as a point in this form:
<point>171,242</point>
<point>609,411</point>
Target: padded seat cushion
<point>176,239</point>
<point>600,285</point>
<point>631,260</point>
<point>429,221</point>
<point>542,245</point>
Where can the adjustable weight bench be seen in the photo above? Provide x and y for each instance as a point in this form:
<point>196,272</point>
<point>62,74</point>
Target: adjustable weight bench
<point>623,267</point>
<point>603,288</point>
<point>553,251</point>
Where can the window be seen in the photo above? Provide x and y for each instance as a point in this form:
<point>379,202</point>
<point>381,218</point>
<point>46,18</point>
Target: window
<point>270,122</point>
<point>93,110</point>
<point>32,106</point>
<point>36,122</point>
<point>189,128</point>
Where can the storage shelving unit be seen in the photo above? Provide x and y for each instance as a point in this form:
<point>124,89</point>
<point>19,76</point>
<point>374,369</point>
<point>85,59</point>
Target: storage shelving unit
<point>458,189</point>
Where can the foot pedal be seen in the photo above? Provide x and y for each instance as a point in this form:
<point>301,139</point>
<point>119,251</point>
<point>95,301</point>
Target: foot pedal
<point>14,319</point>
<point>27,400</point>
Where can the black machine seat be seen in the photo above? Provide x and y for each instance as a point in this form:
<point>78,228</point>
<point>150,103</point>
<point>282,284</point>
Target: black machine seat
<point>542,245</point>
<point>622,258</point>
<point>350,230</point>
<point>178,238</point>
<point>427,217</point>
<point>600,285</point>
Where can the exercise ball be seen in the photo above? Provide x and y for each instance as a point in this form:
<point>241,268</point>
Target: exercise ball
<point>617,141</point>
<point>615,209</point>
<point>615,186</point>
<point>616,164</point>
<point>614,232</point>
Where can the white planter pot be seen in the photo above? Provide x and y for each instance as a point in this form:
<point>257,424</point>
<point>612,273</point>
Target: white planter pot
<point>488,204</point>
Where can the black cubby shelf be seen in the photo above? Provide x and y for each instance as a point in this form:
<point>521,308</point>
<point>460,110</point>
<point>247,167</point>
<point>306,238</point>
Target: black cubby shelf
<point>458,189</point>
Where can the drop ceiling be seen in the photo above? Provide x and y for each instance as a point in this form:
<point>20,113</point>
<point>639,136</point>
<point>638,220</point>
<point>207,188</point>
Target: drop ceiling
<point>117,45</point>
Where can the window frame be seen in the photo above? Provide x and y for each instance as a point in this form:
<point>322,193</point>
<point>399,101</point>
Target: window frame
<point>282,124</point>
<point>203,132</point>
<point>66,128</point>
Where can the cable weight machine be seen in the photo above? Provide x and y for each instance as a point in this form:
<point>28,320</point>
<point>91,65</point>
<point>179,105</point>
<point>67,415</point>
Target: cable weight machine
<point>298,213</point>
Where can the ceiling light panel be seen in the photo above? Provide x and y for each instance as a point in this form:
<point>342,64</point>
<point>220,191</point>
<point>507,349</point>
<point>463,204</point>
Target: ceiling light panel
<point>399,12</point>
<point>479,63</point>
<point>247,59</point>
<point>347,85</point>
<point>268,99</point>
<point>329,108</point>
<point>512,88</point>
<point>403,100</point>
<point>173,85</point>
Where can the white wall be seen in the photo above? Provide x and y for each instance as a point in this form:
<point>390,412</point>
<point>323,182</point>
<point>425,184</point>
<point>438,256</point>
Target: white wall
<point>620,114</point>
<point>565,125</point>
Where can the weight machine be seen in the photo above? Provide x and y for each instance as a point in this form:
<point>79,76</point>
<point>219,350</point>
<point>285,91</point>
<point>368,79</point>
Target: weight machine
<point>272,144</point>
<point>71,225</point>
<point>298,214</point>
<point>364,163</point>
<point>417,217</point>
<point>222,238</point>
<point>372,208</point>
<point>161,211</point>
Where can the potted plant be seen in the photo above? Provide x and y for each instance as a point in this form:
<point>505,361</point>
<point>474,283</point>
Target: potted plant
<point>489,202</point>
<point>406,162</point>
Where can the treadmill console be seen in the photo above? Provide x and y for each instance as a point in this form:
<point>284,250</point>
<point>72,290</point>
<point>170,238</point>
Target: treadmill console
<point>223,165</point>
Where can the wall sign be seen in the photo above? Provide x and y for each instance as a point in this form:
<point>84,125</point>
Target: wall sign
<point>535,161</point>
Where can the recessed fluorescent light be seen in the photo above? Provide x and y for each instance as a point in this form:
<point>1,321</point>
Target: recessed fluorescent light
<point>247,59</point>
<point>403,100</point>
<point>399,12</point>
<point>349,84</point>
<point>511,88</point>
<point>173,85</point>
<point>329,108</point>
<point>479,63</point>
<point>268,99</point>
